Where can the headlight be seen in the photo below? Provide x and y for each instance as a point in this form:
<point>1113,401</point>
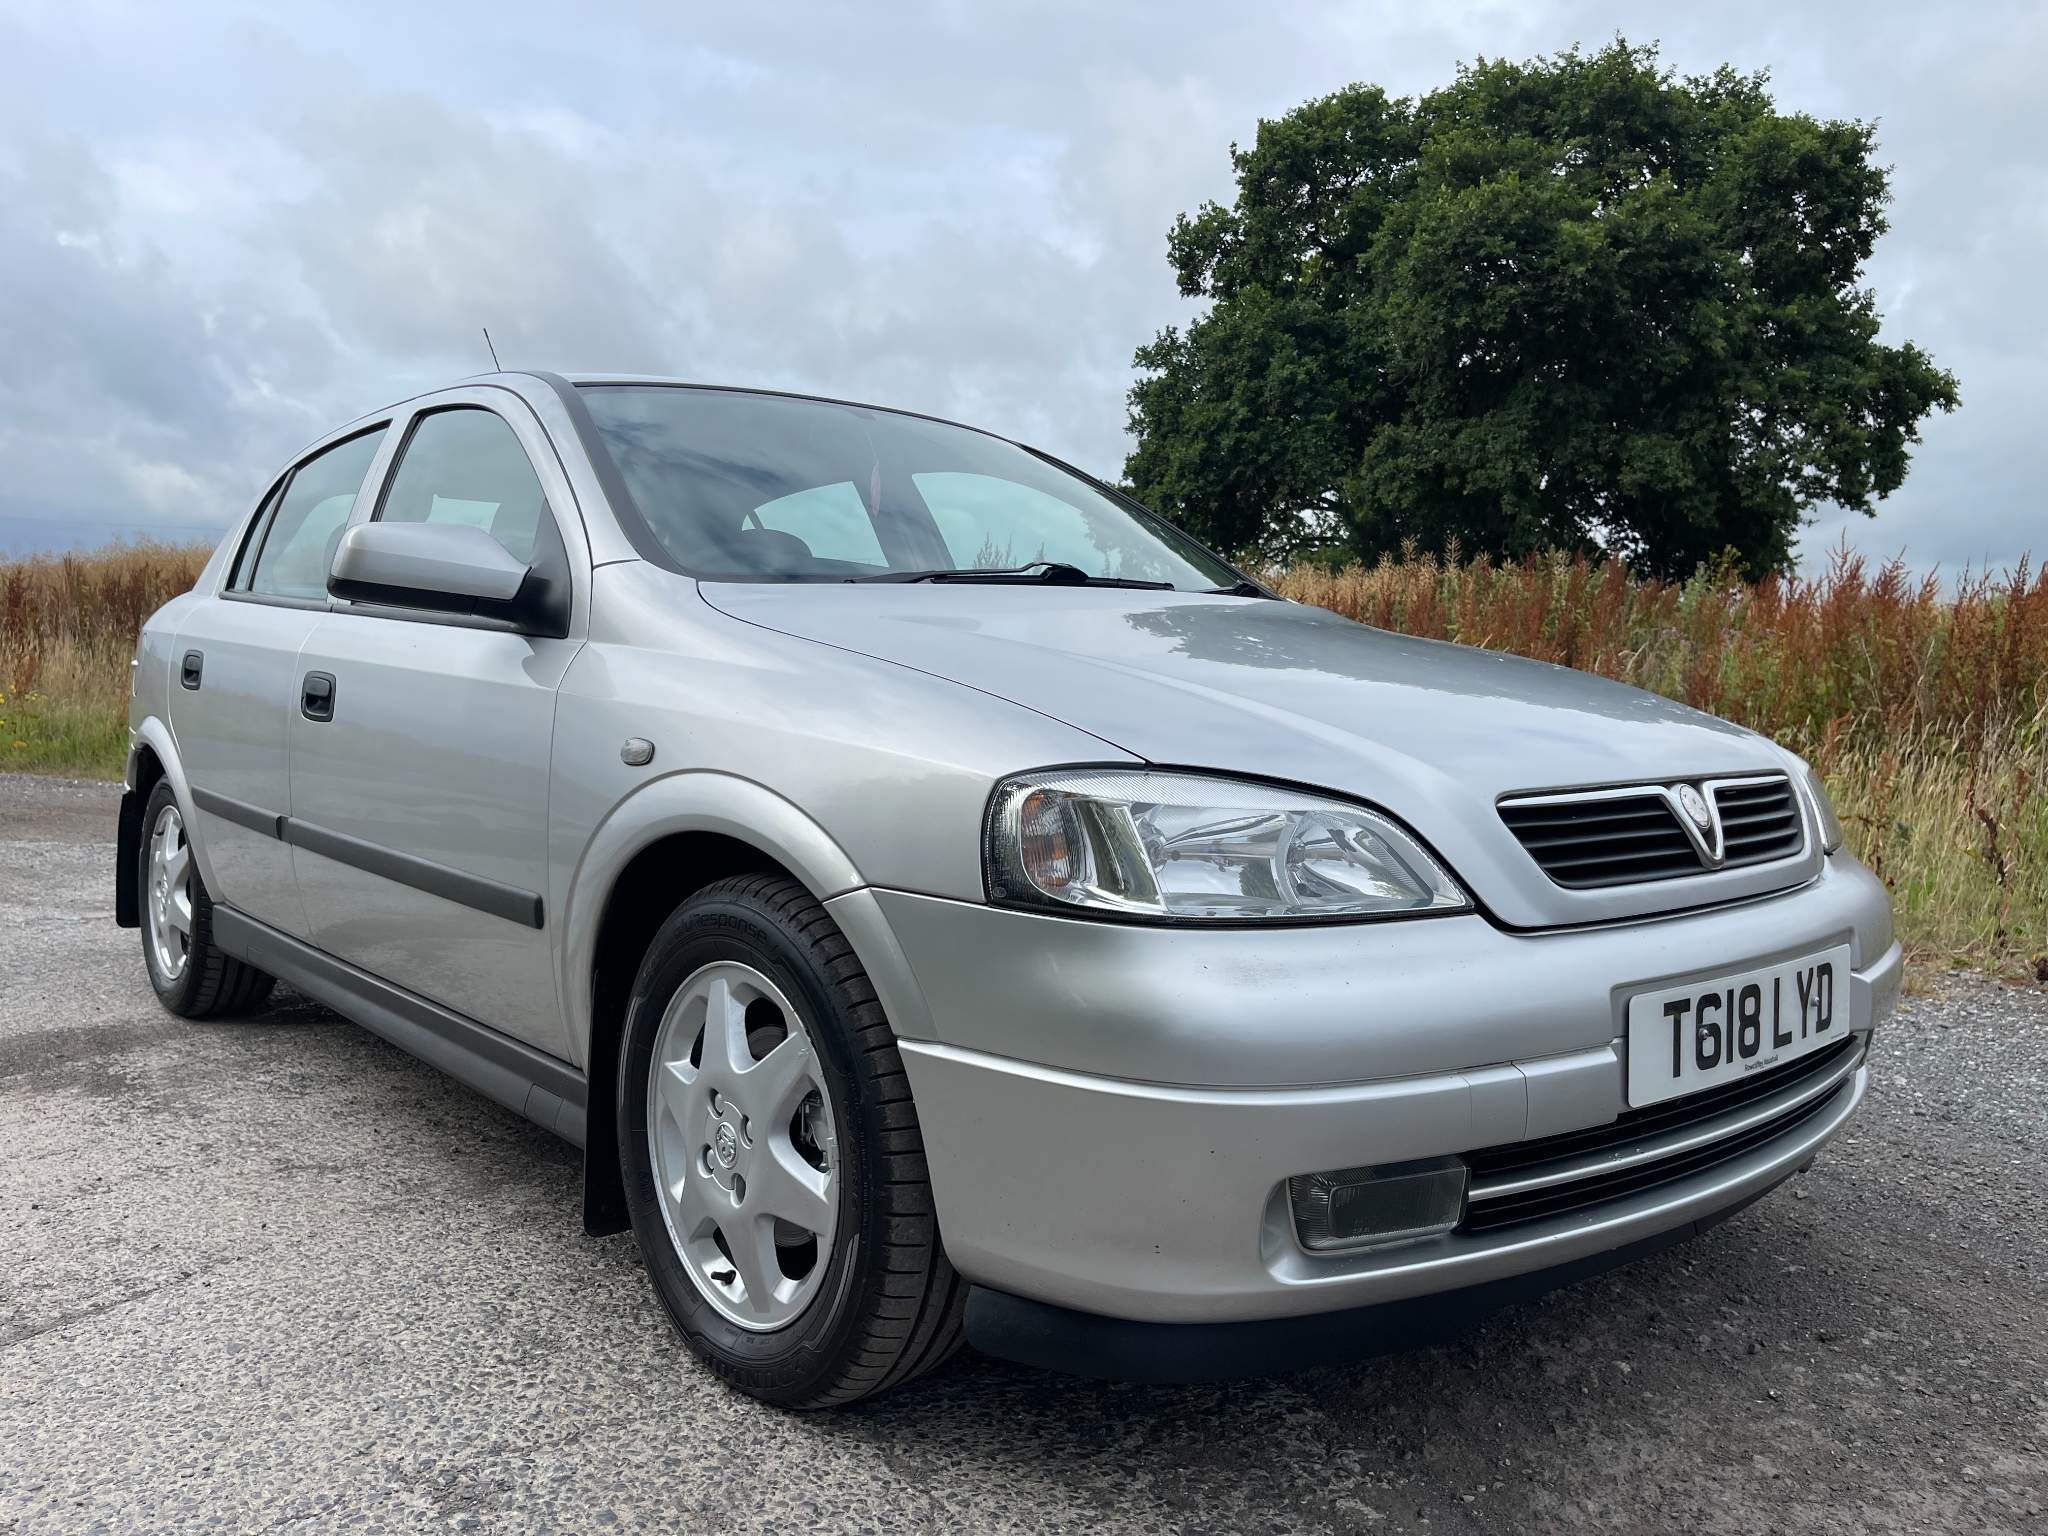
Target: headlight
<point>1182,847</point>
<point>1824,813</point>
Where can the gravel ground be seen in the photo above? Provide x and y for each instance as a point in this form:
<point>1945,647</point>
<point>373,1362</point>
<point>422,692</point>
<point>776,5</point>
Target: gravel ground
<point>273,1274</point>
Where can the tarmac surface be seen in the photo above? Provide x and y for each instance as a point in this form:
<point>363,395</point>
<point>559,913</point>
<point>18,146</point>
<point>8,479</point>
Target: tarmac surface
<point>273,1275</point>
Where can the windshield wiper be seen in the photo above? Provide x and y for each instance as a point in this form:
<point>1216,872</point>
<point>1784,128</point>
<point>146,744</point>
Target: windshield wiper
<point>1051,573</point>
<point>1240,589</point>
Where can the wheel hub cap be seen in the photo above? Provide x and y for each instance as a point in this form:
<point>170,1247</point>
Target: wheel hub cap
<point>725,1145</point>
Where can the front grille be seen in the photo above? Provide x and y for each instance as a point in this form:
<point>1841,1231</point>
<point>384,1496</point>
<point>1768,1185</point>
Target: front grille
<point>1596,838</point>
<point>1529,1180</point>
<point>1759,821</point>
<point>1583,843</point>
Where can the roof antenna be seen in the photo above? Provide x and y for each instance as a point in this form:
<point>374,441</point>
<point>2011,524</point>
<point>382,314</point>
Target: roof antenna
<point>495,364</point>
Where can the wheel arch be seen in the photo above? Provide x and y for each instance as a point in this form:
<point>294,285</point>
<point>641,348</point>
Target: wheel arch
<point>152,758</point>
<point>671,837</point>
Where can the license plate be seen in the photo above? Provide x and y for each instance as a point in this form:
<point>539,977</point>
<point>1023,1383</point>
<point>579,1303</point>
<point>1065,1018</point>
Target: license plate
<point>1710,1032</point>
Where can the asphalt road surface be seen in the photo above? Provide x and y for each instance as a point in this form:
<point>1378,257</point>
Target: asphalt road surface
<point>274,1275</point>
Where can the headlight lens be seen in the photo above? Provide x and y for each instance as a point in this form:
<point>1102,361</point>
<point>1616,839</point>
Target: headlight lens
<point>1184,847</point>
<point>1824,813</point>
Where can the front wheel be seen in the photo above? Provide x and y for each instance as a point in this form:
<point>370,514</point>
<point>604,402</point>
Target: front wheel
<point>773,1165</point>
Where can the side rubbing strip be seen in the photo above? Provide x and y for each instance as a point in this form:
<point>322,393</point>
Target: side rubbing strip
<point>506,901</point>
<point>548,1092</point>
<point>240,812</point>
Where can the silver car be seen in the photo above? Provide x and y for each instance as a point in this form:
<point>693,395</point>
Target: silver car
<point>945,903</point>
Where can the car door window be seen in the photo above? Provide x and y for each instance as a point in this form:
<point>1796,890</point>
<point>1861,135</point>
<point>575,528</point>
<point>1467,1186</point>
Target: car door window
<point>464,465</point>
<point>297,546</point>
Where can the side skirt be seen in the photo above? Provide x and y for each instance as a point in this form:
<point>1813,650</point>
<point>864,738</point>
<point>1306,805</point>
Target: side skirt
<point>550,1093</point>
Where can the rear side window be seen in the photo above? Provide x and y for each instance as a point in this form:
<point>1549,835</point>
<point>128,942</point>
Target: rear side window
<point>297,545</point>
<point>245,557</point>
<point>465,465</point>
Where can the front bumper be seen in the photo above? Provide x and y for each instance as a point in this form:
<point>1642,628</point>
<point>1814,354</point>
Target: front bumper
<point>1117,1349</point>
<point>1110,1113</point>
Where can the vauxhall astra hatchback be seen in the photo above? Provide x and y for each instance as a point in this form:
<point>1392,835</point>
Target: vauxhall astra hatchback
<point>945,903</point>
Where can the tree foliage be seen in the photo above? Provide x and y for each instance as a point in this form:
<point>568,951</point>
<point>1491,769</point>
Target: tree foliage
<point>1578,303</point>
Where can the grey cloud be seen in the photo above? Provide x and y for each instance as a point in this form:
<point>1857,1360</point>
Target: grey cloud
<point>120,395</point>
<point>222,232</point>
<point>427,224</point>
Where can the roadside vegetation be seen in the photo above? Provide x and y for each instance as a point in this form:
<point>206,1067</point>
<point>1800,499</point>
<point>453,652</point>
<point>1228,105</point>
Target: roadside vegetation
<point>1927,713</point>
<point>67,628</point>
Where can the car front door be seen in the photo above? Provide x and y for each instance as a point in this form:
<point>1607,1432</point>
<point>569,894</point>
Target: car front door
<point>234,673</point>
<point>420,743</point>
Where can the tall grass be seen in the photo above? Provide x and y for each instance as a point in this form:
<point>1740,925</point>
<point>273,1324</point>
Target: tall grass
<point>1851,655</point>
<point>1926,712</point>
<point>67,628</point>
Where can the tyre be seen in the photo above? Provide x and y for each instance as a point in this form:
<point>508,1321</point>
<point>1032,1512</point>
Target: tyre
<point>191,975</point>
<point>773,1166</point>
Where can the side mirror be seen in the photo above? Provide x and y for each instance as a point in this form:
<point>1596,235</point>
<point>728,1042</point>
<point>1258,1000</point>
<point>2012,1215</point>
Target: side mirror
<point>442,567</point>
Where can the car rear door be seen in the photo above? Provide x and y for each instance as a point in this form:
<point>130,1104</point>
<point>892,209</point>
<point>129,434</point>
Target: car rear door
<point>234,671</point>
<point>420,743</point>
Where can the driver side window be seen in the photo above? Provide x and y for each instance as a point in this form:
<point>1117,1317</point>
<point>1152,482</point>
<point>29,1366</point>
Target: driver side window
<point>464,465</point>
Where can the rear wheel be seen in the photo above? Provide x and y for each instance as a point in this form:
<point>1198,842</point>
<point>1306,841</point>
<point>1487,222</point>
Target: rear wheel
<point>192,976</point>
<point>773,1165</point>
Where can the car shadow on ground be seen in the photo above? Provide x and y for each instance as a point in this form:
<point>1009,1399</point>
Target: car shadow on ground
<point>1389,1436</point>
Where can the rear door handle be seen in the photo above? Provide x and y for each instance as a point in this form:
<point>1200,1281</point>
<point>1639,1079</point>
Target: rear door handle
<point>316,696</point>
<point>190,668</point>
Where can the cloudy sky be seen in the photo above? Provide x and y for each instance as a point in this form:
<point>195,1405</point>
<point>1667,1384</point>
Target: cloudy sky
<point>226,228</point>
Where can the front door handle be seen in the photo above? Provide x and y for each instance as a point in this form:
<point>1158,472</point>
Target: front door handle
<point>190,668</point>
<point>316,696</point>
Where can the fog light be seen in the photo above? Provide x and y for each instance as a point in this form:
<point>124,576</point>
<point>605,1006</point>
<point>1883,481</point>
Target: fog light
<point>1361,1207</point>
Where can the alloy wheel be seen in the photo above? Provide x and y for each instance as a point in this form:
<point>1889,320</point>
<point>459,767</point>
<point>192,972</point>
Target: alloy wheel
<point>170,895</point>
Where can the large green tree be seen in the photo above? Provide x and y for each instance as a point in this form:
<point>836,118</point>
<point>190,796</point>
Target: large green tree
<point>1577,303</point>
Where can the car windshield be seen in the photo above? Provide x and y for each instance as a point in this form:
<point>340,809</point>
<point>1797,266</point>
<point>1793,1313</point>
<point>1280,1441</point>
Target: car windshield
<point>748,487</point>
